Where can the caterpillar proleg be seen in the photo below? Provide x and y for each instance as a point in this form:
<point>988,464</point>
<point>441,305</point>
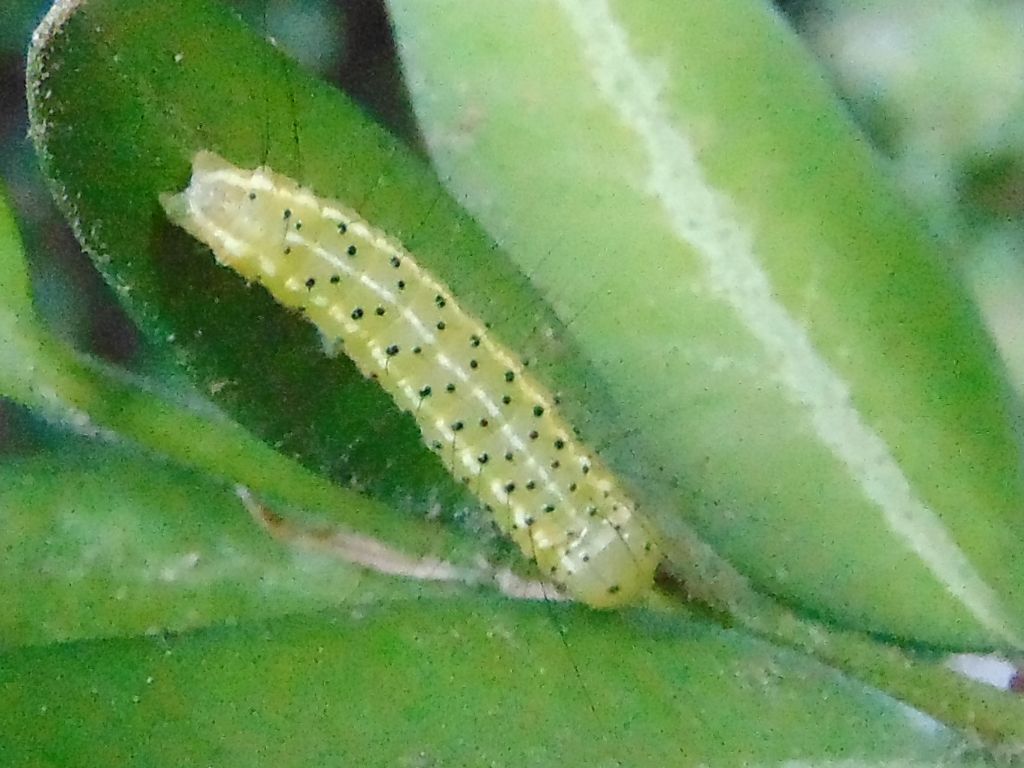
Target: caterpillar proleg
<point>485,415</point>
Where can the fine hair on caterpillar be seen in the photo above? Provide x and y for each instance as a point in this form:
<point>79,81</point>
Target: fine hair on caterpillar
<point>478,408</point>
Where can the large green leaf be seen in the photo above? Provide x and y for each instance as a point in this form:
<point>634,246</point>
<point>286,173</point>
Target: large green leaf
<point>817,394</point>
<point>530,685</point>
<point>123,94</point>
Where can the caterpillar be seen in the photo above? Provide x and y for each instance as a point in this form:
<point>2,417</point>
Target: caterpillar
<point>491,423</point>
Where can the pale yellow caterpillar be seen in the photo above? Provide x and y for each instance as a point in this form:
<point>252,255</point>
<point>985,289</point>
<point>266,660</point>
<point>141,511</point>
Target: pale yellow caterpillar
<point>491,423</point>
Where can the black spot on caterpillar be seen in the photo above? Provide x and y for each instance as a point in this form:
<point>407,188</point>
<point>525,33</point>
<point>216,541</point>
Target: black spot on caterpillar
<point>582,531</point>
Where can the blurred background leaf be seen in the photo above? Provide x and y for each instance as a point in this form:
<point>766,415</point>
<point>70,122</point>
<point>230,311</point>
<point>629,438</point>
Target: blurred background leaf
<point>940,86</point>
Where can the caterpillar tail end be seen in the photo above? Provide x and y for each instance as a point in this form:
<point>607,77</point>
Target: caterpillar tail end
<point>618,576</point>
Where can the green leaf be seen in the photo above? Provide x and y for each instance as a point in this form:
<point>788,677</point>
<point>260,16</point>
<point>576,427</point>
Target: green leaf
<point>531,684</point>
<point>817,394</point>
<point>120,102</point>
<point>99,542</point>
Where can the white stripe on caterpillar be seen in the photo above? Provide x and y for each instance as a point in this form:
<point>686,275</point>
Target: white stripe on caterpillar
<point>493,426</point>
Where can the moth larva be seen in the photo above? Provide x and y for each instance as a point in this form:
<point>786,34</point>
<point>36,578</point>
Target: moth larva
<point>484,415</point>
